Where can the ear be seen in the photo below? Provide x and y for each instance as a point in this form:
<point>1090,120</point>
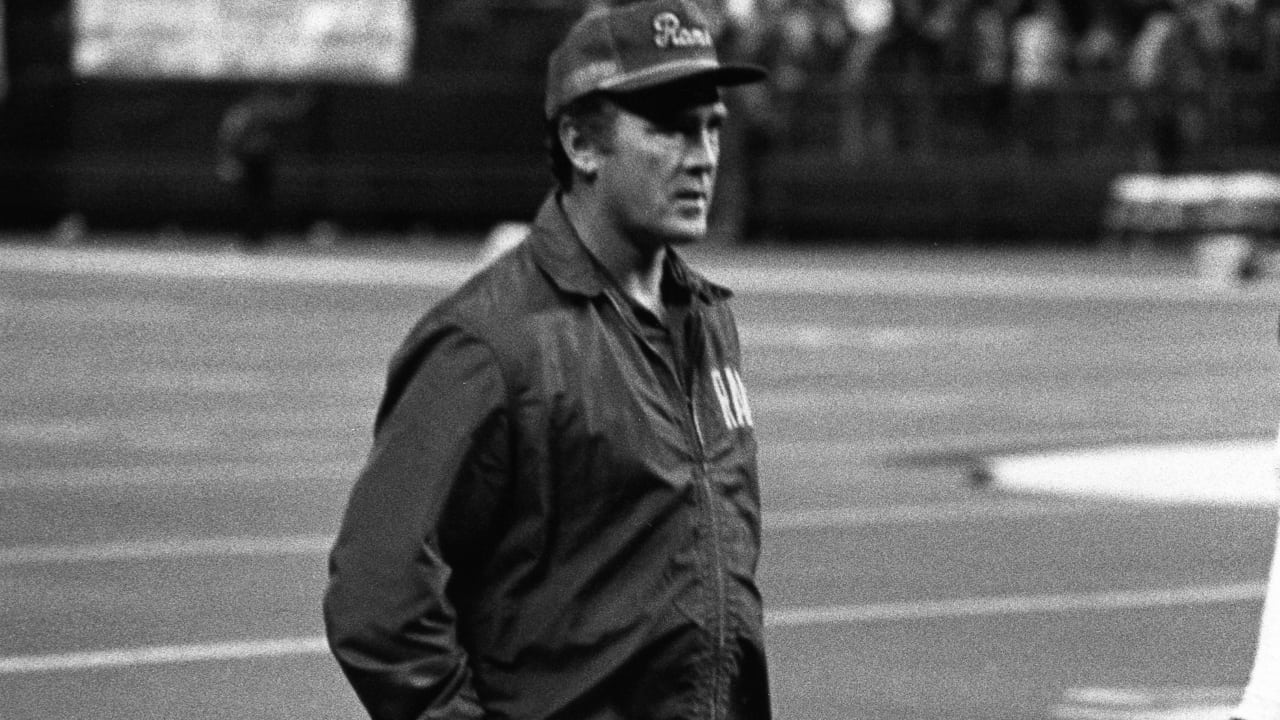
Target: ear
<point>583,151</point>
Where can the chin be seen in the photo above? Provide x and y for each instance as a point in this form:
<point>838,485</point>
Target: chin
<point>686,231</point>
<point>686,238</point>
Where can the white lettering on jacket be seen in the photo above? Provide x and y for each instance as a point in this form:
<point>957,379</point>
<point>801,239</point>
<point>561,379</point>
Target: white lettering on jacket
<point>668,32</point>
<point>732,395</point>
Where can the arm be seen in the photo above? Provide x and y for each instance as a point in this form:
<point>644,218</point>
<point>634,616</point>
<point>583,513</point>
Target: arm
<point>390,621</point>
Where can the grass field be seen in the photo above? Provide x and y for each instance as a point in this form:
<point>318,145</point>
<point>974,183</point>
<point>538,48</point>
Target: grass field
<point>179,429</point>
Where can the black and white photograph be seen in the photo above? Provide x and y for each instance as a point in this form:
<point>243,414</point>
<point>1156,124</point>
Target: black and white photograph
<point>639,359</point>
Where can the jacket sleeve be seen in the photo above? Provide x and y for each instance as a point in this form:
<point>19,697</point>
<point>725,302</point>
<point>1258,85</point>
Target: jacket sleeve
<point>438,455</point>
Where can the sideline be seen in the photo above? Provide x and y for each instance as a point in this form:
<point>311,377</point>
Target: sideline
<point>758,275</point>
<point>779,619</point>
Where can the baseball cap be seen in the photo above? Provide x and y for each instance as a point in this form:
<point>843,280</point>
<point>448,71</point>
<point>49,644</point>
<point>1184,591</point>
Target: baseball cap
<point>635,47</point>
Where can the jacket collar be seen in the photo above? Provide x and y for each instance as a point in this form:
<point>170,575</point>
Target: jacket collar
<point>560,253</point>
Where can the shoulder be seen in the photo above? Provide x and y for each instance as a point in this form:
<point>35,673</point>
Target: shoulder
<point>499,296</point>
<point>492,308</point>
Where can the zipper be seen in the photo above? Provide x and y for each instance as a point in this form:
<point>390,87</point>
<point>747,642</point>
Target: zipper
<point>704,482</point>
<point>689,385</point>
<point>688,389</point>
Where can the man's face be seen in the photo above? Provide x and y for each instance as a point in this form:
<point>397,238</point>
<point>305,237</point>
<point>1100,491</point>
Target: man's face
<point>658,176</point>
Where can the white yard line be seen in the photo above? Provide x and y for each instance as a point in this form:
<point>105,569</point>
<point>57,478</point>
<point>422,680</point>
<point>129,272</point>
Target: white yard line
<point>958,511</point>
<point>230,265</point>
<point>1018,605</point>
<point>162,655</point>
<point>779,618</point>
<point>271,546</point>
<point>879,337</point>
<point>445,273</point>
<point>175,475</point>
<point>165,549</point>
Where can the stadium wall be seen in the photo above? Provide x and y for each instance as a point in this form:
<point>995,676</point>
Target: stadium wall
<point>455,151</point>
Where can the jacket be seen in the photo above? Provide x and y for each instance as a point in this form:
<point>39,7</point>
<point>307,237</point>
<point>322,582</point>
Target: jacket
<point>560,515</point>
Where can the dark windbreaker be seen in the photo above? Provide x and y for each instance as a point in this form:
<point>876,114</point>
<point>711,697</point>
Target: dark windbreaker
<point>559,517</point>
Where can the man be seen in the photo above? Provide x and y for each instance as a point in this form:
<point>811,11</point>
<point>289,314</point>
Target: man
<point>559,517</point>
<point>248,150</point>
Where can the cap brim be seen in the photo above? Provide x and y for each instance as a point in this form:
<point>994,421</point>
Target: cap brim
<point>718,74</point>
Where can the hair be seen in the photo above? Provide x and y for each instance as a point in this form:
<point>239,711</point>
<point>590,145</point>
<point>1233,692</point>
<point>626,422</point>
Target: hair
<point>594,115</point>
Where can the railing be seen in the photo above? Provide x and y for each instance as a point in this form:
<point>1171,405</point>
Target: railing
<point>942,119</point>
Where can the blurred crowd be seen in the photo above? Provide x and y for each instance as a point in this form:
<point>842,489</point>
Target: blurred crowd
<point>1026,43</point>
<point>880,79</point>
<point>1017,62</point>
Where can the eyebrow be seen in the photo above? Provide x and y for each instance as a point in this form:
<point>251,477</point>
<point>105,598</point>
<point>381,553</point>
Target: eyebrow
<point>685,116</point>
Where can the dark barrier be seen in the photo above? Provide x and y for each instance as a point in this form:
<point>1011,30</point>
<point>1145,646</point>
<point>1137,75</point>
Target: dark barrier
<point>946,160</point>
<point>466,151</point>
<point>141,154</point>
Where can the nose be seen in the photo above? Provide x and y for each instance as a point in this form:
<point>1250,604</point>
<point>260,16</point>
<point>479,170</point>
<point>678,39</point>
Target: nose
<point>704,150</point>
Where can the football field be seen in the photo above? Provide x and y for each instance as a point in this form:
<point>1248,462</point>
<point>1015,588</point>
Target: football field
<point>179,429</point>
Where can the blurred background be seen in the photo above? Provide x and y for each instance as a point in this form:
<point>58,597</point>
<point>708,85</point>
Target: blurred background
<point>945,120</point>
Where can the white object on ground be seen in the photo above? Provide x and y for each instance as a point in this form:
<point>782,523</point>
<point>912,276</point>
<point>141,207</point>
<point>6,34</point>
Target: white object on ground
<point>1223,473</point>
<point>1261,699</point>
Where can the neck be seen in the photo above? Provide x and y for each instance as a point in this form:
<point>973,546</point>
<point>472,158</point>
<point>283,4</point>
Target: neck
<point>635,265</point>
